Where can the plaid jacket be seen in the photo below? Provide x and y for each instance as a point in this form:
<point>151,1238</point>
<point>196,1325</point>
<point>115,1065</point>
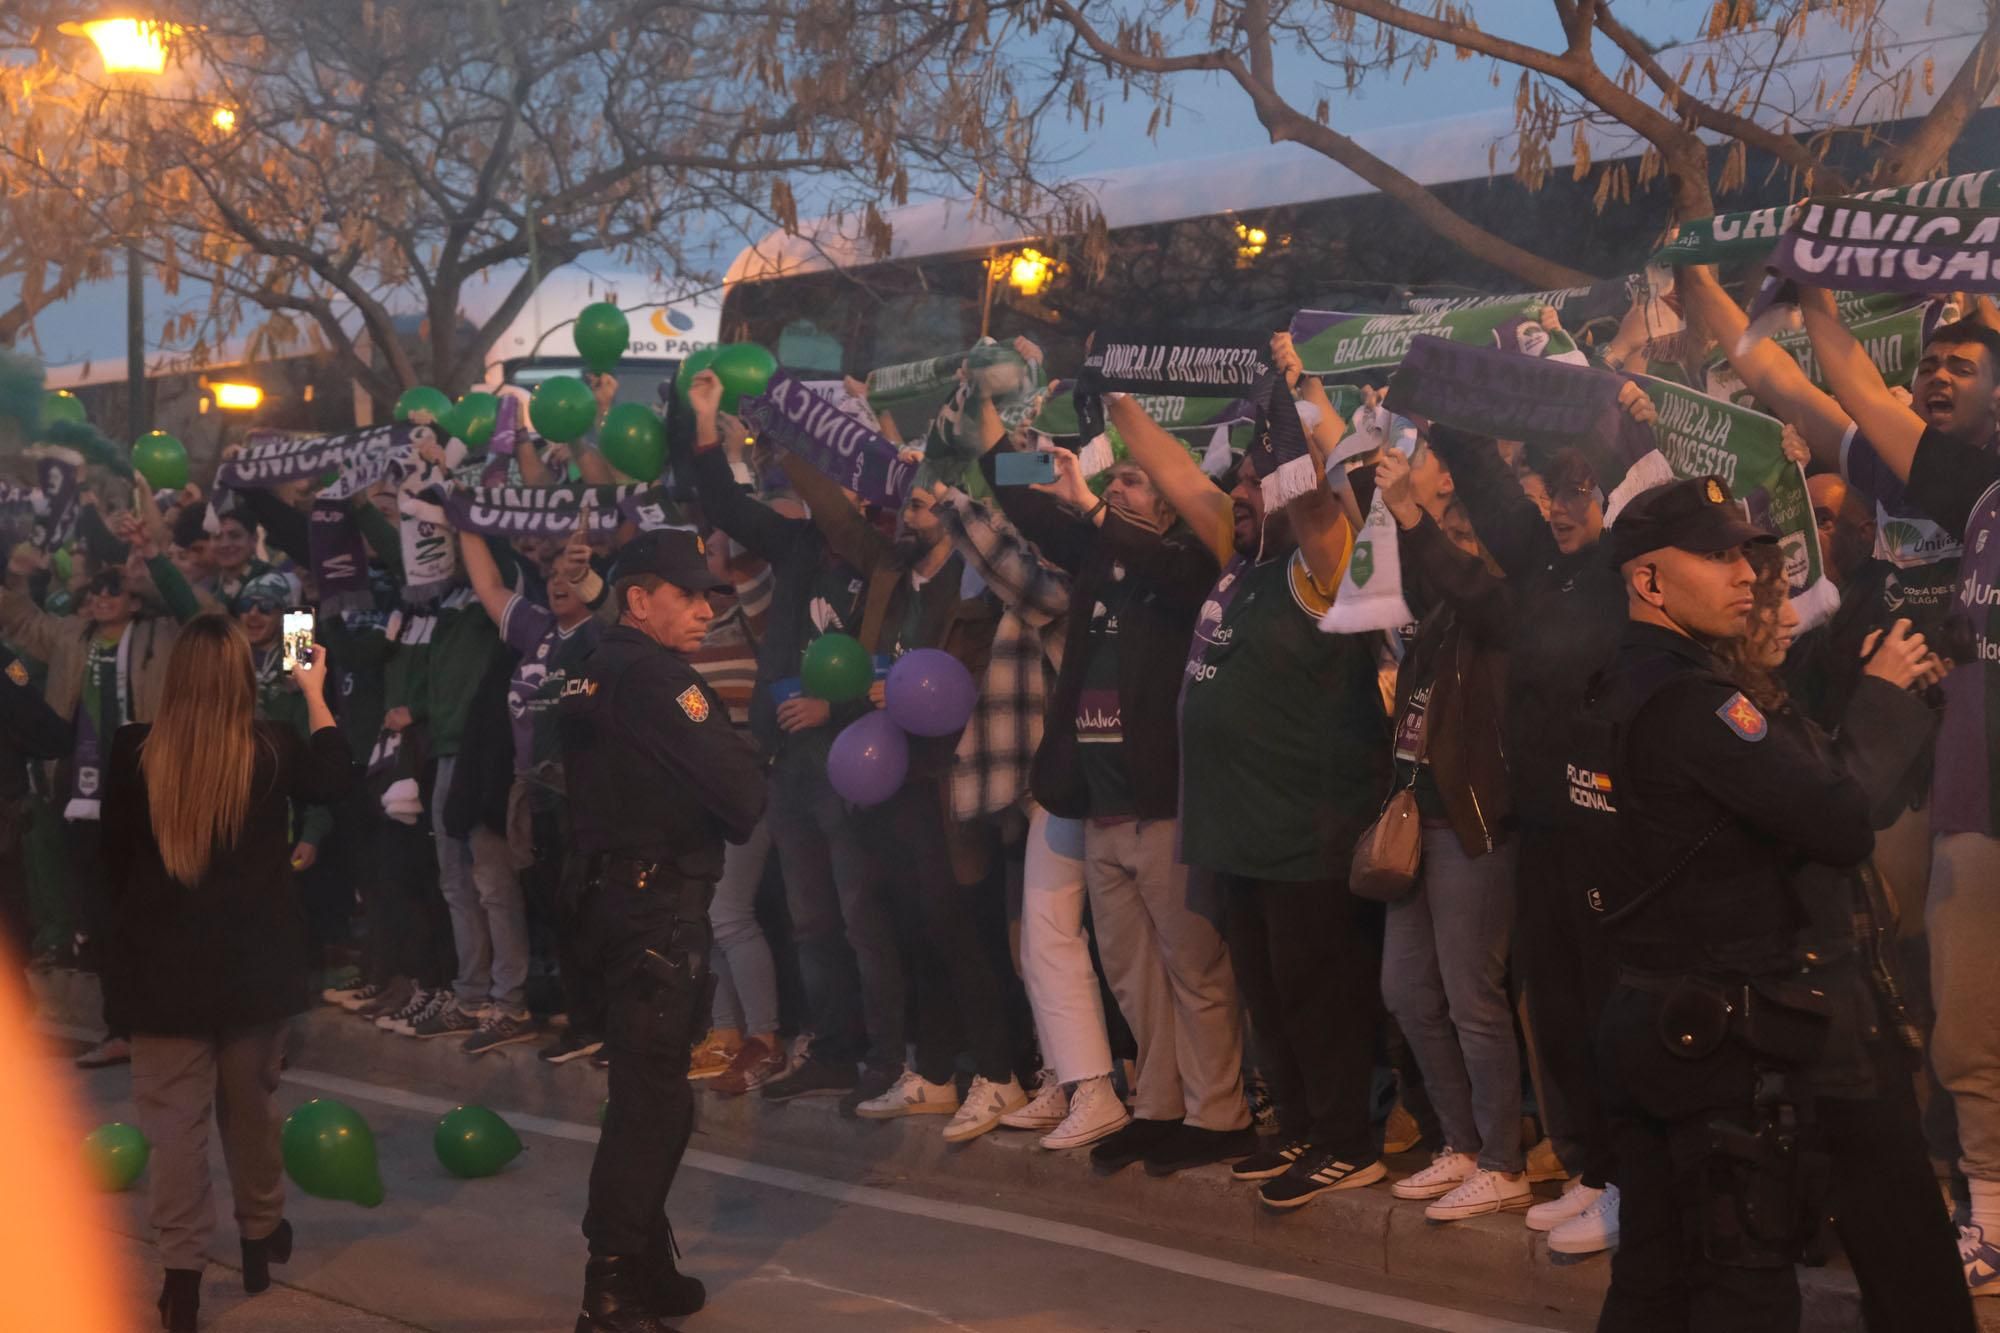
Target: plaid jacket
<point>989,772</point>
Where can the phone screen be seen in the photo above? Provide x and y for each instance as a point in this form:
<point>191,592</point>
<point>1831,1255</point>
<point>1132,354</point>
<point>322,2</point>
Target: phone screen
<point>298,637</point>
<point>1024,468</point>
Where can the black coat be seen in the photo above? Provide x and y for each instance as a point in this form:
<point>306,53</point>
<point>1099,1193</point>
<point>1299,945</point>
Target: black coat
<point>231,951</point>
<point>1171,575</point>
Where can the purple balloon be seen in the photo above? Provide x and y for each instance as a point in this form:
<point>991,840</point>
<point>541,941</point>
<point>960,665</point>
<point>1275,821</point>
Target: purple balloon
<point>930,693</point>
<point>869,760</point>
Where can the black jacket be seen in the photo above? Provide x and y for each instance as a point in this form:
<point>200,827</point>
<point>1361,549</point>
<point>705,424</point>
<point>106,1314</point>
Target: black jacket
<point>231,951</point>
<point>800,562</point>
<point>1171,575</point>
<point>1568,613</point>
<point>654,769</point>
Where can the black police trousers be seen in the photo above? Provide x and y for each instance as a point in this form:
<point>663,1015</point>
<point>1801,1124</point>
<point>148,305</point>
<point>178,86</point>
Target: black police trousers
<point>1658,1107</point>
<point>644,931</point>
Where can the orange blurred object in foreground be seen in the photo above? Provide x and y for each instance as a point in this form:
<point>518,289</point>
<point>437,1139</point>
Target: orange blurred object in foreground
<point>57,1265</point>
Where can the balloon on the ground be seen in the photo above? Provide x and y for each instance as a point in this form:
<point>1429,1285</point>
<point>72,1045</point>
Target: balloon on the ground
<point>929,693</point>
<point>472,419</point>
<point>869,759</point>
<point>743,368</point>
<point>836,668</point>
<point>330,1153</point>
<point>633,439</point>
<point>693,364</point>
<point>62,405</point>
<point>436,403</point>
<point>602,335</point>
<point>161,460</point>
<point>472,1142</point>
<point>563,409</point>
<point>116,1155</point>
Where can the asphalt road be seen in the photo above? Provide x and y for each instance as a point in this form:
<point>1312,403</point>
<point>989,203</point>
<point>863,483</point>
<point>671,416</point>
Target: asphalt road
<point>779,1249</point>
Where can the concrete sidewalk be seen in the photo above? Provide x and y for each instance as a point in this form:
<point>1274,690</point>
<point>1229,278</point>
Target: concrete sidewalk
<point>1361,1235</point>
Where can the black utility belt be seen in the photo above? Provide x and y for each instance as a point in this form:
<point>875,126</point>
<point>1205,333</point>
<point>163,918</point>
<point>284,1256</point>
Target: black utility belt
<point>1780,1018</point>
<point>639,873</point>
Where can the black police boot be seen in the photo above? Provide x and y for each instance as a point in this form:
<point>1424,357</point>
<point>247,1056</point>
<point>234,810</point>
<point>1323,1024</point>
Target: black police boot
<point>180,1300</point>
<point>674,1293</point>
<point>616,1299</point>
<point>259,1255</point>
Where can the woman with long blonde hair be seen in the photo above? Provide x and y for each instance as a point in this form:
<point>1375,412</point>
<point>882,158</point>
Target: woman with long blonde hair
<point>208,954</point>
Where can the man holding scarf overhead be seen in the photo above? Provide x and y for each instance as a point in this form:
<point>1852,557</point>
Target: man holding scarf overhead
<point>1284,759</point>
<point>1940,447</point>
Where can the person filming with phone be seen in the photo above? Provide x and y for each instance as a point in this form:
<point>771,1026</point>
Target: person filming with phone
<point>207,955</point>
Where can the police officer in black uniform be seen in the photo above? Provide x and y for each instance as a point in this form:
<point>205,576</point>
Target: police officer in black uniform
<point>1693,812</point>
<point>658,780</point>
<point>29,729</point>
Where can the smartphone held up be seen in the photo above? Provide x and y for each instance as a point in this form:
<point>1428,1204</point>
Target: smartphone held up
<point>298,638</point>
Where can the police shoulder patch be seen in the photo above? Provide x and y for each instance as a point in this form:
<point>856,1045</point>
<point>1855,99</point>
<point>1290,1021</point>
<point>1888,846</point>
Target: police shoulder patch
<point>17,673</point>
<point>694,703</point>
<point>1743,717</point>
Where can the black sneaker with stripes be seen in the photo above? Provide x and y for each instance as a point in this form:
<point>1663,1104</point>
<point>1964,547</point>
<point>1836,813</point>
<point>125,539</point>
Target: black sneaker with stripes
<point>1273,1158</point>
<point>1315,1173</point>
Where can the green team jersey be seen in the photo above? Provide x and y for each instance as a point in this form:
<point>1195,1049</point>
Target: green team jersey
<point>1284,743</point>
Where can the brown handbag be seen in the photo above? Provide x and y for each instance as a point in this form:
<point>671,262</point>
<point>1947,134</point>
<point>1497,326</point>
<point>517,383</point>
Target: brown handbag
<point>1390,853</point>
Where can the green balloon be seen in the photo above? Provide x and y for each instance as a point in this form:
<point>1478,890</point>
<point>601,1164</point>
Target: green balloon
<point>472,419</point>
<point>697,361</point>
<point>62,405</point>
<point>602,335</point>
<point>743,368</point>
<point>836,669</point>
<point>472,1142</point>
<point>161,460</point>
<point>563,409</point>
<point>330,1153</point>
<point>116,1154</point>
<point>633,439</point>
<point>423,398</point>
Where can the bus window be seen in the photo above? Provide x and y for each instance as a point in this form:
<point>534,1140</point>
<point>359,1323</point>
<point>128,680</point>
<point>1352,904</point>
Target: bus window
<point>804,346</point>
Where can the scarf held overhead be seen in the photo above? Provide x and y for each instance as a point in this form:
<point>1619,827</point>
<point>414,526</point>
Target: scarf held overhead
<point>538,511</point>
<point>1751,233</point>
<point>794,418</point>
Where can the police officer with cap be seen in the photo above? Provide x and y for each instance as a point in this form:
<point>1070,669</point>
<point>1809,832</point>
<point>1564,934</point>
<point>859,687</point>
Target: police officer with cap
<point>1693,812</point>
<point>657,781</point>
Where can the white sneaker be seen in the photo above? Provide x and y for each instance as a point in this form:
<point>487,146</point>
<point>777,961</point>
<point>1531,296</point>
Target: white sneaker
<point>986,1102</point>
<point>1094,1113</point>
<point>1591,1231</point>
<point>1046,1111</point>
<point>911,1094</point>
<point>1576,1197</point>
<point>1447,1171</point>
<point>1543,1164</point>
<point>1487,1192</point>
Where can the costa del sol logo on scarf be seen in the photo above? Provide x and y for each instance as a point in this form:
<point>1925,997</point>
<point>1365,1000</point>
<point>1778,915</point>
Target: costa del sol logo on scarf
<point>1743,717</point>
<point>1362,563</point>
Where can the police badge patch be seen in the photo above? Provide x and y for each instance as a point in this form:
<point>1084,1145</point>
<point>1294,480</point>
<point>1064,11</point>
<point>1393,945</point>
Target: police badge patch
<point>1743,717</point>
<point>694,703</point>
<point>17,673</point>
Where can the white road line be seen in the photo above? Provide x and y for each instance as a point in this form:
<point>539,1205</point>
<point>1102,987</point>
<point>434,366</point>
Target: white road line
<point>1313,1291</point>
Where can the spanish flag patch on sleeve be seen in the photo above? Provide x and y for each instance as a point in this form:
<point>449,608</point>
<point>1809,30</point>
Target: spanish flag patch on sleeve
<point>694,703</point>
<point>1743,717</point>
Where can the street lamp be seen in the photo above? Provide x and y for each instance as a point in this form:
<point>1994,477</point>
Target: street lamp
<point>132,49</point>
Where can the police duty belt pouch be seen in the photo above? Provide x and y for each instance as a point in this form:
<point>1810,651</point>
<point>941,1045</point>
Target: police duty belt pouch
<point>1779,1019</point>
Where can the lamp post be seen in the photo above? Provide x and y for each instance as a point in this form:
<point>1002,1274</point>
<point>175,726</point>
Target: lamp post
<point>132,50</point>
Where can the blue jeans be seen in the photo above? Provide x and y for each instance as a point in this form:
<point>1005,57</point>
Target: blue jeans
<point>1444,978</point>
<point>746,981</point>
<point>489,915</point>
<point>849,958</point>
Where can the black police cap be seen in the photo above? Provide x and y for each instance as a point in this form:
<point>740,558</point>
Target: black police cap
<point>677,555</point>
<point>1695,514</point>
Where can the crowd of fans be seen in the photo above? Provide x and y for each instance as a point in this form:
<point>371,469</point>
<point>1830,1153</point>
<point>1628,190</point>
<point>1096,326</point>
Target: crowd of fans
<point>1113,912</point>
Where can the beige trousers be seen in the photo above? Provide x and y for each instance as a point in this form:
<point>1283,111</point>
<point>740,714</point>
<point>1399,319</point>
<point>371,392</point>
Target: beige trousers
<point>177,1082</point>
<point>1159,936</point>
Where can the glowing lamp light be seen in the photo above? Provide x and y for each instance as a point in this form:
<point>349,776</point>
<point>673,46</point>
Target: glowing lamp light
<point>1250,243</point>
<point>127,45</point>
<point>237,397</point>
<point>1029,271</point>
<point>224,119</point>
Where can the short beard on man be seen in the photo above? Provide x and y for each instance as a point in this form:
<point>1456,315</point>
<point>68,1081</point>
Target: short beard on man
<point>910,548</point>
